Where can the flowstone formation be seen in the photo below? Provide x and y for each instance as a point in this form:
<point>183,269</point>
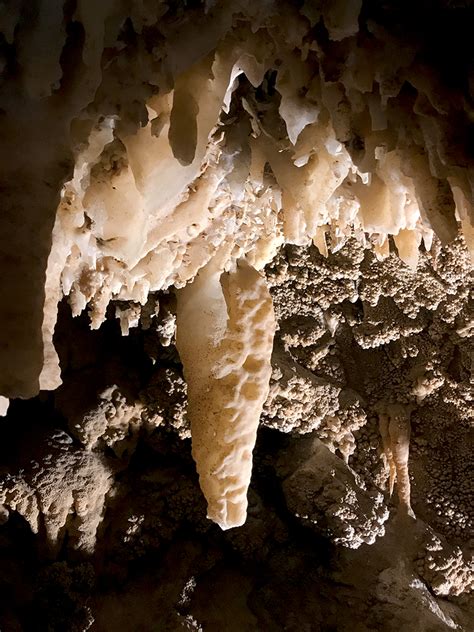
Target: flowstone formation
<point>219,217</point>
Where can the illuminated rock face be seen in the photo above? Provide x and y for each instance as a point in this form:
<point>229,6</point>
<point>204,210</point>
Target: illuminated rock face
<point>170,145</point>
<point>245,140</point>
<point>280,195</point>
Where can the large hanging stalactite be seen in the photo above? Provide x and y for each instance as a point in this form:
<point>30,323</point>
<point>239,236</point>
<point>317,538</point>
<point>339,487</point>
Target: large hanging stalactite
<point>225,329</point>
<point>206,163</point>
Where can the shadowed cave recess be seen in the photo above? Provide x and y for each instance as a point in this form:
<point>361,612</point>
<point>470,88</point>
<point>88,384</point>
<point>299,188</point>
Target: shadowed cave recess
<point>236,343</point>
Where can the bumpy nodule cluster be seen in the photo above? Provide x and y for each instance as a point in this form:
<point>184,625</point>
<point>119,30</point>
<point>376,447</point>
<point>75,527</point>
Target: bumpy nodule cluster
<point>276,199</point>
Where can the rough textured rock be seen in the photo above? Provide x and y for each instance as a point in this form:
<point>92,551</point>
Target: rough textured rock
<point>236,248</point>
<point>327,495</point>
<point>61,490</point>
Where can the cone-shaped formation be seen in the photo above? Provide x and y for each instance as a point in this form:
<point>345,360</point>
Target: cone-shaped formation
<point>163,142</point>
<point>225,334</point>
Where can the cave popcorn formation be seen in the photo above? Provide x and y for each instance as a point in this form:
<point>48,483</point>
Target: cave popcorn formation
<point>198,190</point>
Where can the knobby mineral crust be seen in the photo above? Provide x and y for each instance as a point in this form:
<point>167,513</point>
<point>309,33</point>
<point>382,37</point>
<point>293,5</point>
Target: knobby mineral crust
<point>236,270</point>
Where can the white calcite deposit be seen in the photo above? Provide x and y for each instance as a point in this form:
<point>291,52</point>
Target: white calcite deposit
<point>185,161</point>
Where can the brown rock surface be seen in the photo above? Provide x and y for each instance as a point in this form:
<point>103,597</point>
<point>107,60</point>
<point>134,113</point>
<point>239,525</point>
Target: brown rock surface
<point>318,159</point>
